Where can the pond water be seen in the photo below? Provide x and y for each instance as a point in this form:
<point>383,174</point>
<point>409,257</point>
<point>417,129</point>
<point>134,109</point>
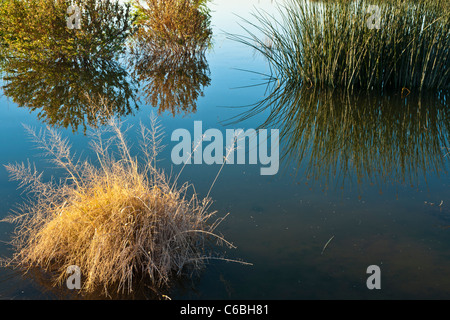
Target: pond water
<point>362,180</point>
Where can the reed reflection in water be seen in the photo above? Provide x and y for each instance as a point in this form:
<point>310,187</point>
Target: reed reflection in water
<point>373,138</point>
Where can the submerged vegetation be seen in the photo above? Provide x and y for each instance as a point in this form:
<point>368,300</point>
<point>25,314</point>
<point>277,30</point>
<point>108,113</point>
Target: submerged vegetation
<point>329,44</point>
<point>120,221</point>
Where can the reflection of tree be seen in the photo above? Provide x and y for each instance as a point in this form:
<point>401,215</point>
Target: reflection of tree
<point>66,74</point>
<point>37,30</point>
<point>70,94</point>
<point>173,82</point>
<point>372,138</point>
<point>168,52</point>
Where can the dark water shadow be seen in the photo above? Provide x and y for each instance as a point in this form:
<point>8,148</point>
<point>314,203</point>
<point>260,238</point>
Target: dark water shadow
<point>41,285</point>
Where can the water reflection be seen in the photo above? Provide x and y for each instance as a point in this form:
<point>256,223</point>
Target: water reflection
<point>87,77</point>
<point>168,53</point>
<point>70,93</point>
<point>173,82</point>
<point>79,79</point>
<point>341,139</point>
<point>45,287</point>
<point>39,30</point>
<point>67,75</point>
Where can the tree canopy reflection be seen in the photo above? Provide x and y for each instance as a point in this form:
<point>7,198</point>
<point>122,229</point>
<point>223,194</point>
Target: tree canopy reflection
<point>77,78</point>
<point>70,94</point>
<point>37,30</point>
<point>172,82</point>
<point>70,77</point>
<point>168,53</point>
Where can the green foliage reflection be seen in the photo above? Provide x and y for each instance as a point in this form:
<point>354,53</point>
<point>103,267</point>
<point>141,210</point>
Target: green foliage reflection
<point>37,30</point>
<point>70,94</point>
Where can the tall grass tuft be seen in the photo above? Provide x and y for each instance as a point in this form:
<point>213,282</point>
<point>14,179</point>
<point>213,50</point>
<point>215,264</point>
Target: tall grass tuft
<point>120,220</point>
<point>330,44</point>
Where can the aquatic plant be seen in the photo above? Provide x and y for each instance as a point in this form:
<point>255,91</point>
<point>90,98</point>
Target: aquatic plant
<point>121,221</point>
<point>330,44</point>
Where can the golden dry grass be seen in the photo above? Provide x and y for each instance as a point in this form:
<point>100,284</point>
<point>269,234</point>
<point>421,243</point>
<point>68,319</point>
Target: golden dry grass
<point>119,220</point>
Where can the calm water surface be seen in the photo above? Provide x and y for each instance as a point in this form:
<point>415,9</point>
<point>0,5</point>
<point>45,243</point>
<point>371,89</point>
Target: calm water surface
<point>368,172</point>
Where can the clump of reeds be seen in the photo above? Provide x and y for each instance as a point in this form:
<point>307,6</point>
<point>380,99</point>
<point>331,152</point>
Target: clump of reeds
<point>119,221</point>
<point>333,44</point>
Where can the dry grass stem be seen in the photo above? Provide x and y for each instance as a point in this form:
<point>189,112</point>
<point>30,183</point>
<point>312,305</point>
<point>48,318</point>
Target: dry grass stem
<point>120,221</point>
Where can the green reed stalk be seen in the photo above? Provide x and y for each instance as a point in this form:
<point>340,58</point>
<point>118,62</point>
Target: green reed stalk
<point>330,44</point>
